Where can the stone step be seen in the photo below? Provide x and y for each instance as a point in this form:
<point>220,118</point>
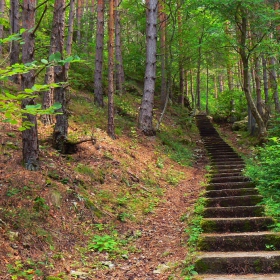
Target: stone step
<point>217,179</point>
<point>226,174</point>
<point>233,212</point>
<point>245,200</point>
<point>231,185</point>
<point>246,224</point>
<point>226,160</point>
<point>238,262</point>
<point>229,171</point>
<point>238,277</point>
<point>232,192</point>
<point>247,241</point>
<point>226,165</point>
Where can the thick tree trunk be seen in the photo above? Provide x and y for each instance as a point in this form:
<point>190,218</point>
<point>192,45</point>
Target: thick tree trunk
<point>119,59</point>
<point>111,122</point>
<point>15,47</point>
<point>147,105</point>
<point>98,89</point>
<point>60,133</point>
<point>30,146</point>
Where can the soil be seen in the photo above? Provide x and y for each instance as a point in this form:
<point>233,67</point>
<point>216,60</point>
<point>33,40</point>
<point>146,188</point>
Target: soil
<point>46,224</point>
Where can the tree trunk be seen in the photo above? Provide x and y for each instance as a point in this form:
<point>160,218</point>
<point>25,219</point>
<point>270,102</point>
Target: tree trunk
<point>111,124</point>
<point>147,105</point>
<point>207,89</point>
<point>119,59</point>
<point>163,51</point>
<point>246,81</point>
<point>60,133</point>
<point>198,101</point>
<point>98,90</point>
<point>15,47</point>
<point>30,146</point>
<point>70,33</point>
<point>79,14</point>
<point>258,86</point>
<point>221,83</point>
<point>229,77</point>
<point>265,81</point>
<point>274,84</point>
<point>2,10</point>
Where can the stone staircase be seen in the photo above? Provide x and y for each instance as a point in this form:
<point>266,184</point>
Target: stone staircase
<point>236,242</point>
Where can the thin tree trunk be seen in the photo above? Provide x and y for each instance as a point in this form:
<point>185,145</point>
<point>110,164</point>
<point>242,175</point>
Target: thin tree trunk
<point>274,84</point>
<point>60,133</point>
<point>111,124</point>
<point>2,10</point>
<point>30,144</point>
<point>221,83</point>
<point>15,47</point>
<point>258,86</point>
<point>79,12</point>
<point>246,81</point>
<point>70,33</point>
<point>230,78</point>
<point>98,89</point>
<point>198,101</point>
<point>191,89</point>
<point>215,86</point>
<point>162,19</point>
<point>265,81</point>
<point>147,105</point>
<point>119,59</point>
<point>207,89</point>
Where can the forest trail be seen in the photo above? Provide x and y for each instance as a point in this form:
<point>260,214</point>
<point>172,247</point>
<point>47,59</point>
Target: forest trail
<point>236,242</point>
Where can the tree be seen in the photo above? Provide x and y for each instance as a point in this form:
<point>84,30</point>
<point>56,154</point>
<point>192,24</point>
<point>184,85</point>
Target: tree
<point>146,110</point>
<point>98,89</point>
<point>119,60</point>
<point>60,133</point>
<point>30,144</point>
<point>111,124</point>
<point>15,48</point>
<point>2,10</point>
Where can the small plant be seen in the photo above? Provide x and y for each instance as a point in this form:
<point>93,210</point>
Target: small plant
<point>26,270</point>
<point>160,163</point>
<point>102,243</point>
<point>40,204</point>
<point>270,247</point>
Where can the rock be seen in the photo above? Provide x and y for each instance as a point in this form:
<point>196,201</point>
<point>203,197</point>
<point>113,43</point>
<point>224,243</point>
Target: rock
<point>13,235</point>
<point>240,125</point>
<point>161,269</point>
<point>79,274</point>
<point>109,264</point>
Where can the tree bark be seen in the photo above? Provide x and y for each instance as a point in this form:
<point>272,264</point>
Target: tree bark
<point>274,84</point>
<point>163,51</point>
<point>198,73</point>
<point>15,47</point>
<point>146,110</point>
<point>181,68</point>
<point>111,122</point>
<point>246,81</point>
<point>2,10</point>
<point>60,133</point>
<point>119,59</point>
<point>265,80</point>
<point>257,75</point>
<point>30,145</point>
<point>70,33</point>
<point>98,89</point>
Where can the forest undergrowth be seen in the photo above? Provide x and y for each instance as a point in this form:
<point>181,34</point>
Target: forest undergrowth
<point>112,210</point>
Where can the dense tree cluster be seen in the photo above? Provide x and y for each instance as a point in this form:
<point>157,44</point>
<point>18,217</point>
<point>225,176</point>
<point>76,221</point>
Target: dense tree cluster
<point>215,56</point>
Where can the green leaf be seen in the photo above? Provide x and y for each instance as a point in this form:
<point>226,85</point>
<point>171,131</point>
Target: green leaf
<point>44,61</point>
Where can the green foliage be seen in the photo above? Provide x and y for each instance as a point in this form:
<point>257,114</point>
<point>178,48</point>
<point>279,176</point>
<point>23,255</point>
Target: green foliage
<point>176,150</point>
<point>28,270</point>
<point>264,169</point>
<point>102,243</point>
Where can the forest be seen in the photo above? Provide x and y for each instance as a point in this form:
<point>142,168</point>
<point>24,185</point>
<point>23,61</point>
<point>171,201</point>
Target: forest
<point>99,145</point>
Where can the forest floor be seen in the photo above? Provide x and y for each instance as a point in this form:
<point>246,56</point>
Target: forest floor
<point>116,209</point>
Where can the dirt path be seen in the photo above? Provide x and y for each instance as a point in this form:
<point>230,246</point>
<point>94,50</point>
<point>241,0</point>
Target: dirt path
<point>162,243</point>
